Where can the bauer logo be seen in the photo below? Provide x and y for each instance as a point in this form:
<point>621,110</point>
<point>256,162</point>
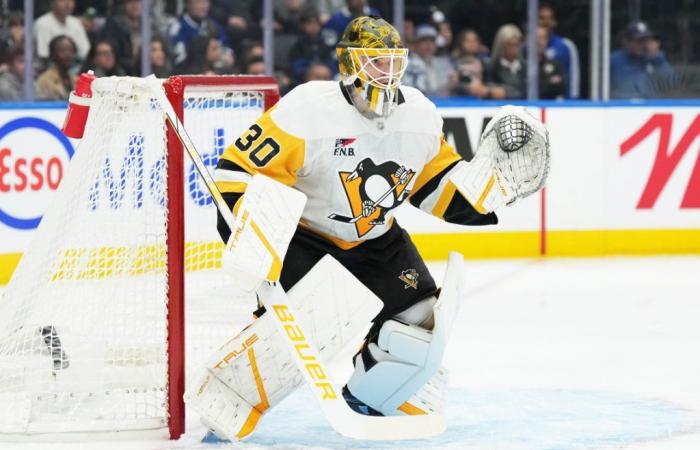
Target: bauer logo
<point>33,157</point>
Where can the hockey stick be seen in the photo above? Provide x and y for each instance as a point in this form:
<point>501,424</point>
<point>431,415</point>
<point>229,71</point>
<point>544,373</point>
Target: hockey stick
<point>348,219</point>
<point>343,419</point>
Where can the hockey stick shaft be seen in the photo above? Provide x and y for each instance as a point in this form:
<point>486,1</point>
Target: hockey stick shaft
<point>186,141</point>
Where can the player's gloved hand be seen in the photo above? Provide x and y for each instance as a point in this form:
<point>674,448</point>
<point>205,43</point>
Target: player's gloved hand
<point>512,161</point>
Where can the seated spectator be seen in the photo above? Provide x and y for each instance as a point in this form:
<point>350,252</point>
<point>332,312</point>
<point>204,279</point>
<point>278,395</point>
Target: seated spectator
<point>195,22</point>
<point>639,67</point>
<point>203,53</point>
<point>161,62</point>
<point>254,66</point>
<point>444,29</point>
<point>287,16</point>
<point>562,50</point>
<point>470,65</point>
<point>102,59</point>
<point>432,74</point>
<point>60,22</point>
<point>552,83</point>
<point>12,79</point>
<point>237,20</point>
<point>309,47</point>
<point>505,71</point>
<point>250,50</point>
<point>124,30</point>
<point>318,71</point>
<point>333,29</point>
<point>11,35</point>
<point>58,80</point>
<point>92,23</point>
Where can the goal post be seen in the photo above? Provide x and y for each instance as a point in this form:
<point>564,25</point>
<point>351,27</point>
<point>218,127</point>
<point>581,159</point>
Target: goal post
<point>175,88</point>
<point>124,264</point>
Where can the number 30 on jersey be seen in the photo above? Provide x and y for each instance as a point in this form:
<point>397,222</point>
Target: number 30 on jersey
<point>263,152</point>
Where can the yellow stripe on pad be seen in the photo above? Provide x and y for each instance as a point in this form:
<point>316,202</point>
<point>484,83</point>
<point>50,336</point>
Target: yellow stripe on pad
<point>276,269</point>
<point>258,410</point>
<point>411,410</point>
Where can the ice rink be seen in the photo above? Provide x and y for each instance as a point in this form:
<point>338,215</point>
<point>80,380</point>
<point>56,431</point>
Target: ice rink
<point>553,354</point>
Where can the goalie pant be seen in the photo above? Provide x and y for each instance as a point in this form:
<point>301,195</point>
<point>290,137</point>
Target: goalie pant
<point>389,266</point>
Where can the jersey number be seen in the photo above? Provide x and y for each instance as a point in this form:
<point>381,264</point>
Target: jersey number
<point>246,141</point>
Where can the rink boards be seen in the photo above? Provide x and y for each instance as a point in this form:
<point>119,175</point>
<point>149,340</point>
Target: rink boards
<point>625,179</point>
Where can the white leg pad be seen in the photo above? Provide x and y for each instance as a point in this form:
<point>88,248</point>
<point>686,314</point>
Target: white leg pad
<point>406,357</point>
<point>254,371</point>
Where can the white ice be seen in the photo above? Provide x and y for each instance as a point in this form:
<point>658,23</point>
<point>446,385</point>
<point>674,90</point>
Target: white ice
<point>553,354</point>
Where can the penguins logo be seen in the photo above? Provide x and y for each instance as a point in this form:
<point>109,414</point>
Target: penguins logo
<point>410,277</point>
<point>372,190</point>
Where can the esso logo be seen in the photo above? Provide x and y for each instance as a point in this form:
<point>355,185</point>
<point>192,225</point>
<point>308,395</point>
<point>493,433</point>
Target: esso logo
<point>33,157</point>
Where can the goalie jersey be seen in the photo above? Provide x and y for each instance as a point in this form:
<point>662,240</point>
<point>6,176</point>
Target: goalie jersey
<point>354,171</point>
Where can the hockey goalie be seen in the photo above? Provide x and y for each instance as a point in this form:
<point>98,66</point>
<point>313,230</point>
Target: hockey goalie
<point>313,184</point>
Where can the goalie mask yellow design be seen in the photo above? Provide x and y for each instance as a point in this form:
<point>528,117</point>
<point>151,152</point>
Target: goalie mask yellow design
<point>372,61</point>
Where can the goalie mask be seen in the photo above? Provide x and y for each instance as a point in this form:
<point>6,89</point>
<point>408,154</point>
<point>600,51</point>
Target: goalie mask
<point>372,60</point>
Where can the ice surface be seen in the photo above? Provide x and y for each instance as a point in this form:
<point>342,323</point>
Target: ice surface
<point>554,354</point>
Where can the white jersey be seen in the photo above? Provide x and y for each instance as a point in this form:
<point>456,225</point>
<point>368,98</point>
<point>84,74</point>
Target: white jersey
<point>354,171</point>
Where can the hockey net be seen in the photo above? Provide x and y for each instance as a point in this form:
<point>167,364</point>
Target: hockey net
<point>91,324</point>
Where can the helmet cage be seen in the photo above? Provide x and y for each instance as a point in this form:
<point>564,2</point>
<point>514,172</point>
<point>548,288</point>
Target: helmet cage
<point>376,74</point>
<point>381,68</point>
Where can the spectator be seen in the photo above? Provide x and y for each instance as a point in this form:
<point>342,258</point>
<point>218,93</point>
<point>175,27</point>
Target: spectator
<point>12,79</point>
<point>318,71</point>
<point>470,65</point>
<point>255,66</point>
<point>102,59</point>
<point>124,30</point>
<point>161,61</point>
<point>335,26</point>
<point>432,74</point>
<point>562,50</point>
<point>552,82</point>
<point>92,23</point>
<point>637,69</point>
<point>60,22</point>
<point>444,29</point>
<point>309,47</point>
<point>287,16</point>
<point>203,53</point>
<point>237,20</point>
<point>56,82</point>
<point>11,35</point>
<point>506,68</point>
<point>194,22</point>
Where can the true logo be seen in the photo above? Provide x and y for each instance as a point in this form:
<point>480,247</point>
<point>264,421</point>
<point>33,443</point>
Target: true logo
<point>342,147</point>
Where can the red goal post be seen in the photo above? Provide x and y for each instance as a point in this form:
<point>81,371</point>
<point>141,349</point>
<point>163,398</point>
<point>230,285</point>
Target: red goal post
<point>175,88</point>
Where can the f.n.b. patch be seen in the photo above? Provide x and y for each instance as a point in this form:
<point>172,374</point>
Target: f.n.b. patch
<point>343,148</point>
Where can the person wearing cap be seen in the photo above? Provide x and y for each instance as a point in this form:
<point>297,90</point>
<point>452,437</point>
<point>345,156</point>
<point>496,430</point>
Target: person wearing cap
<point>639,67</point>
<point>431,74</point>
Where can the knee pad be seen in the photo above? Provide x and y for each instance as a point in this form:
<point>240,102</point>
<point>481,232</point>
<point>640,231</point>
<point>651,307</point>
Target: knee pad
<point>403,357</point>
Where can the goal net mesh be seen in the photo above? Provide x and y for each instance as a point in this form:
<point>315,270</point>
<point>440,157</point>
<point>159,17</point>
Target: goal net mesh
<point>83,322</point>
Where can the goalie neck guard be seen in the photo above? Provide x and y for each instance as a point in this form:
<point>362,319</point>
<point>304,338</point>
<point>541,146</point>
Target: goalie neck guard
<point>371,61</point>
